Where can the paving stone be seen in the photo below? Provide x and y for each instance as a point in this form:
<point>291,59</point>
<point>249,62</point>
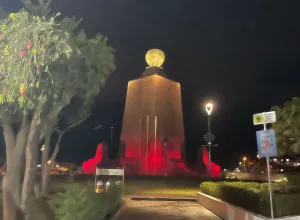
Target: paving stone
<point>164,210</point>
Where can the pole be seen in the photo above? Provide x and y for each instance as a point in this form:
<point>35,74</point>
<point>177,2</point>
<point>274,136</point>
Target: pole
<point>111,133</point>
<point>155,130</point>
<point>269,181</point>
<point>96,180</point>
<point>209,147</point>
<point>147,145</point>
<point>165,159</point>
<point>140,146</point>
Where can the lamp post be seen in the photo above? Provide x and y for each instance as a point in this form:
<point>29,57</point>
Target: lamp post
<point>209,108</point>
<point>245,161</point>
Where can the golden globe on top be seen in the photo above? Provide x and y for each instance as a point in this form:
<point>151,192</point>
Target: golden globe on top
<point>155,57</point>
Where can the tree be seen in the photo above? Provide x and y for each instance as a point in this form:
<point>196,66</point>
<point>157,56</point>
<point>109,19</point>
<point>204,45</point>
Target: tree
<point>92,67</point>
<point>29,44</point>
<point>69,119</point>
<point>44,66</point>
<point>287,127</point>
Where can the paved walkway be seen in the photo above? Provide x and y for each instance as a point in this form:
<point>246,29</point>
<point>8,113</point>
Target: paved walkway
<point>163,210</point>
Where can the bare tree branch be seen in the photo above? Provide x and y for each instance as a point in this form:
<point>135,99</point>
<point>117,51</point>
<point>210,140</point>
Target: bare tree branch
<point>61,134</point>
<point>48,3</point>
<point>41,2</point>
<point>26,2</point>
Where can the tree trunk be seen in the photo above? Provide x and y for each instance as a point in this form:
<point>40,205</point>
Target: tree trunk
<point>56,149</point>
<point>46,171</point>
<point>19,155</point>
<point>31,165</point>
<point>45,167</point>
<point>10,143</point>
<point>45,180</point>
<point>9,207</point>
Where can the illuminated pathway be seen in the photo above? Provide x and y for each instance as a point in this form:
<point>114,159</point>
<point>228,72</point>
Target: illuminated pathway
<point>163,210</point>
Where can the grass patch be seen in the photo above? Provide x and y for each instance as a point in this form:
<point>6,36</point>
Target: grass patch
<point>161,187</point>
<point>254,196</point>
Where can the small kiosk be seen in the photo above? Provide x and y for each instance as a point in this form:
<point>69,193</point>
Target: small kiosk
<point>106,175</point>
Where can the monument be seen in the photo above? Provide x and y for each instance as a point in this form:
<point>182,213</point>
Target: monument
<point>152,137</point>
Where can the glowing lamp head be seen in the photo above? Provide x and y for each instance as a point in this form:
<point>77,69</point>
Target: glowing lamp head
<point>209,108</point>
<point>43,148</point>
<point>155,57</point>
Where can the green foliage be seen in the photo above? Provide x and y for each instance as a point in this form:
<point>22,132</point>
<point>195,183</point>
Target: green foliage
<point>293,179</point>
<point>40,9</point>
<point>93,66</point>
<point>84,75</point>
<point>46,63</point>
<point>78,201</point>
<point>255,197</point>
<point>28,46</point>
<point>287,127</point>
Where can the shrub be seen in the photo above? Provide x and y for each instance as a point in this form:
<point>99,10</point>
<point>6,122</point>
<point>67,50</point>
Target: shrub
<point>212,189</point>
<point>293,179</point>
<point>255,196</point>
<point>78,201</point>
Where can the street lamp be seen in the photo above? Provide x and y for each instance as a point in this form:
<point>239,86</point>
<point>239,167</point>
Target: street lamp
<point>209,108</point>
<point>245,160</point>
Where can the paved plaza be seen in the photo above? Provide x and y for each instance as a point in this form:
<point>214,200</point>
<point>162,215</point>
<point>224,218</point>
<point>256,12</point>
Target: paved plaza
<point>163,210</point>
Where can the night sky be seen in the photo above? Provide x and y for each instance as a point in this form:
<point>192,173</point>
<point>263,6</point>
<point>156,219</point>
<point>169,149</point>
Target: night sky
<point>242,54</point>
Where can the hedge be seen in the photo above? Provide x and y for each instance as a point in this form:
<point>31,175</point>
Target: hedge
<point>254,196</point>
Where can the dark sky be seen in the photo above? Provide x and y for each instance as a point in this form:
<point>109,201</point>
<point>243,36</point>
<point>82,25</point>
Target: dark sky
<point>242,54</point>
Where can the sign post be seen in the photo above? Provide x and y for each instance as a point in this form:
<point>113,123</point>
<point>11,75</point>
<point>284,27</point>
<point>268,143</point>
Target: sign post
<point>266,144</point>
<point>209,139</point>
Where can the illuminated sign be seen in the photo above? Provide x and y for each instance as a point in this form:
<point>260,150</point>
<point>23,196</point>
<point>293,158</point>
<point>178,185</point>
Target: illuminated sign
<point>264,118</point>
<point>110,172</point>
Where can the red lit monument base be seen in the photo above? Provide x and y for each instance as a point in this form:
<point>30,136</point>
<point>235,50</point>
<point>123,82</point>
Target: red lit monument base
<point>152,165</point>
<point>101,157</point>
<point>215,169</point>
<point>159,160</point>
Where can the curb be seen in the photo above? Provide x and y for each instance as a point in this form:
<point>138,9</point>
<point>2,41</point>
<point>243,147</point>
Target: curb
<point>164,199</point>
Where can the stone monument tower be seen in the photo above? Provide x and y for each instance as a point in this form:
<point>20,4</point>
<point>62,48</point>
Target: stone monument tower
<point>152,135</point>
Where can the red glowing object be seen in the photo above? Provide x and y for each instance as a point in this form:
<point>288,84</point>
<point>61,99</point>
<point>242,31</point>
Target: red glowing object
<point>22,53</point>
<point>28,44</point>
<point>2,36</point>
<point>215,169</point>
<point>4,89</point>
<point>89,166</point>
